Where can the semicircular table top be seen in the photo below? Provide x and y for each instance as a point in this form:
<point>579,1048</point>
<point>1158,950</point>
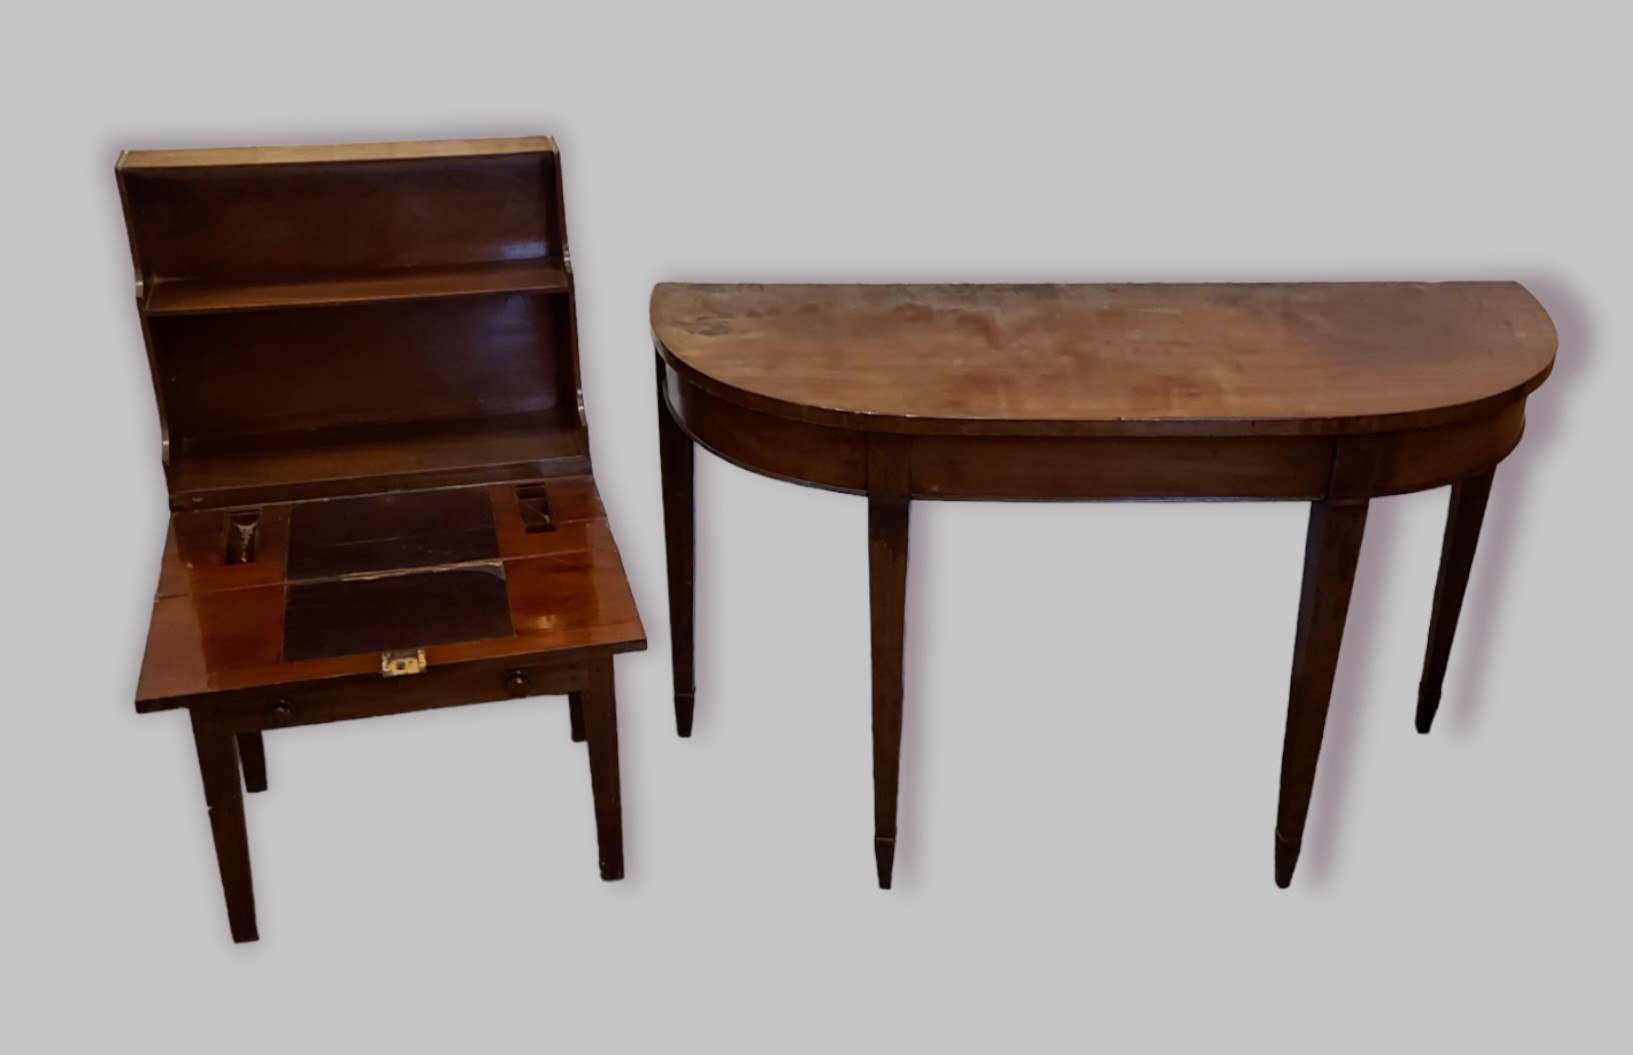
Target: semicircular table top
<point>1127,359</point>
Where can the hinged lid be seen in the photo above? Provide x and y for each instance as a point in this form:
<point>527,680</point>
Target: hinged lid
<point>349,319</point>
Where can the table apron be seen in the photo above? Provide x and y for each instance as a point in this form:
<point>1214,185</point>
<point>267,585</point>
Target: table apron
<point>1107,468</point>
<point>1393,463</point>
<point>1167,467</point>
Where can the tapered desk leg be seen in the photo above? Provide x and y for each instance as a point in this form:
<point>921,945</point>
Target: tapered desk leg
<point>676,458</point>
<point>887,568</point>
<point>1463,519</point>
<point>218,765</point>
<point>1331,550</point>
<point>575,715</point>
<point>601,728</point>
<point>252,756</point>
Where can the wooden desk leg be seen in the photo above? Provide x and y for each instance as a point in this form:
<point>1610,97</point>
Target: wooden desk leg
<point>252,756</point>
<point>575,715</point>
<point>218,764</point>
<point>1331,550</point>
<point>1463,519</point>
<point>601,727</point>
<point>887,569</point>
<point>676,458</point>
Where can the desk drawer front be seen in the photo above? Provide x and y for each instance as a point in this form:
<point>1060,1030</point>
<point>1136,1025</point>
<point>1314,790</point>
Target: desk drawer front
<point>367,697</point>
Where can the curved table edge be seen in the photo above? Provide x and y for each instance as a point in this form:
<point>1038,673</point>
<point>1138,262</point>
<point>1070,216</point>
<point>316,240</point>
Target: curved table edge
<point>860,421</point>
<point>1089,467</point>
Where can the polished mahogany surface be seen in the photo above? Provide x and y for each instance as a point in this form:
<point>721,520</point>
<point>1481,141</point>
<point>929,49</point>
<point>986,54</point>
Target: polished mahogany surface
<point>183,297</point>
<point>441,150</point>
<point>219,626</point>
<point>1224,359</point>
<point>336,320</point>
<point>366,365</point>
<point>211,216</point>
<point>1328,393</point>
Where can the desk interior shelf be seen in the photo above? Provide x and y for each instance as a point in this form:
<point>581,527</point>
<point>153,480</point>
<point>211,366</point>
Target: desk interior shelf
<point>191,297</point>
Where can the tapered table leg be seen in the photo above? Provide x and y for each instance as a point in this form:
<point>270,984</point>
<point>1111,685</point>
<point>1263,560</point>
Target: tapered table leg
<point>1463,519</point>
<point>218,765</point>
<point>887,567</point>
<point>1331,550</point>
<point>601,729</point>
<point>575,715</point>
<point>676,458</point>
<point>252,756</point>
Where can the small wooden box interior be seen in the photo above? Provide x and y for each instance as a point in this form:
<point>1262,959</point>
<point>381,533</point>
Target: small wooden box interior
<point>325,321</point>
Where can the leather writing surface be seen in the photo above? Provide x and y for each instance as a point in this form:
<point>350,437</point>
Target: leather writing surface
<point>341,617</point>
<point>348,536</point>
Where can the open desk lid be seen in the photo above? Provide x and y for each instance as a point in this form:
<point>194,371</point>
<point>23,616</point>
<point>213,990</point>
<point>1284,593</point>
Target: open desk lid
<point>346,319</point>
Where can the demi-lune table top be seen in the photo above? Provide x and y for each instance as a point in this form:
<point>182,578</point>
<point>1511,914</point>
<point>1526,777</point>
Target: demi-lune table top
<point>1218,359</point>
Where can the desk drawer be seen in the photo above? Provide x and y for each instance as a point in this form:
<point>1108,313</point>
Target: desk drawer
<point>367,696</point>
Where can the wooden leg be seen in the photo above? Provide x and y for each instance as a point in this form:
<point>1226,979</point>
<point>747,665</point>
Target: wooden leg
<point>252,756</point>
<point>1331,550</point>
<point>601,727</point>
<point>218,764</point>
<point>575,715</point>
<point>676,458</point>
<point>887,566</point>
<point>1468,510</point>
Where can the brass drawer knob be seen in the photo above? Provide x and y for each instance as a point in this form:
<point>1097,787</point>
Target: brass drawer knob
<point>283,712</point>
<point>516,682</point>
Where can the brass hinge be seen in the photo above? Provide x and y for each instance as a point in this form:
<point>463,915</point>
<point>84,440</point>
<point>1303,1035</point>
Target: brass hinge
<point>400,661</point>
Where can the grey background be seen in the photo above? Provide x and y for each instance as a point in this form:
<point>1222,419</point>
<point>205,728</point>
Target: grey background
<point>1095,693</point>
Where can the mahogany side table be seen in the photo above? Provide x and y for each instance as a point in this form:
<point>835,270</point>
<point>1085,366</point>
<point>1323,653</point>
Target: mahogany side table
<point>1327,393</point>
<point>366,365</point>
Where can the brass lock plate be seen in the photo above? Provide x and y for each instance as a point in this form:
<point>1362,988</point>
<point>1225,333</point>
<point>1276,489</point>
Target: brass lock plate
<point>402,661</point>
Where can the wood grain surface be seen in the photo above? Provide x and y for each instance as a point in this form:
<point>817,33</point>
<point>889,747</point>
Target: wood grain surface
<point>365,359</point>
<point>323,153</point>
<point>1330,393</point>
<point>219,628</point>
<point>1223,359</point>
